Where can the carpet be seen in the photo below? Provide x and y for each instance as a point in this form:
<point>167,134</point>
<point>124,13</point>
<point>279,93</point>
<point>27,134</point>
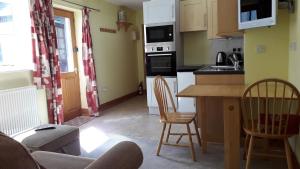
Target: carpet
<point>79,121</point>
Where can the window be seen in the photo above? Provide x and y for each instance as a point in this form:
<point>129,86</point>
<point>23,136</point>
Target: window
<point>64,44</point>
<point>15,36</point>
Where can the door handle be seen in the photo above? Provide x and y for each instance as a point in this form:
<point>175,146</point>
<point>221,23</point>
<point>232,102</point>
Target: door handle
<point>205,19</point>
<point>166,54</point>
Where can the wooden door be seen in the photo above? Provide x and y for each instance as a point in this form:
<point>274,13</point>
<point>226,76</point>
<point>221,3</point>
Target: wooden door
<point>66,41</point>
<point>193,15</point>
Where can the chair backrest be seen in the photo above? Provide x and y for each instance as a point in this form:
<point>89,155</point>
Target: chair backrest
<point>271,107</point>
<point>163,97</point>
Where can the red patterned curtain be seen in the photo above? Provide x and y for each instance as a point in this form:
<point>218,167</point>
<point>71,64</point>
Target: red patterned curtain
<point>45,56</point>
<point>89,66</point>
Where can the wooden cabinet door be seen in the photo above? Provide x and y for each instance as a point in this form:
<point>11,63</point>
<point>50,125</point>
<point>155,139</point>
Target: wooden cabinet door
<point>212,19</point>
<point>193,15</point>
<point>228,18</point>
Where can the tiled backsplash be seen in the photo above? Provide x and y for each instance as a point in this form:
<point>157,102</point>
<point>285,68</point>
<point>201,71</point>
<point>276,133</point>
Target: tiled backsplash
<point>199,50</point>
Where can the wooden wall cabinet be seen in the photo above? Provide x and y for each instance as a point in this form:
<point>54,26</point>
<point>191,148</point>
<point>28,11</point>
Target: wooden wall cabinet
<point>193,15</point>
<point>159,11</point>
<point>212,19</point>
<point>223,19</point>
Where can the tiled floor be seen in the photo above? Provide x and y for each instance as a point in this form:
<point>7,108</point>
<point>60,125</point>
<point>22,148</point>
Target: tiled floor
<point>131,121</point>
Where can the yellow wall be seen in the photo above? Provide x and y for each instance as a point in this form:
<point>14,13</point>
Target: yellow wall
<point>15,79</point>
<point>294,64</point>
<point>139,48</point>
<point>274,62</point>
<point>115,54</point>
<point>196,48</point>
<point>294,68</point>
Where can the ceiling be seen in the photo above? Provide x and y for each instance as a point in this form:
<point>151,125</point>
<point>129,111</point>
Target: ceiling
<point>133,4</point>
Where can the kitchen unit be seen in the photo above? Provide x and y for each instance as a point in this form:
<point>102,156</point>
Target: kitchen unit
<point>151,100</point>
<point>212,19</point>
<point>223,19</point>
<point>185,78</point>
<point>193,15</point>
<point>217,17</point>
<point>230,95</point>
<point>158,11</point>
<point>162,46</point>
<point>217,91</point>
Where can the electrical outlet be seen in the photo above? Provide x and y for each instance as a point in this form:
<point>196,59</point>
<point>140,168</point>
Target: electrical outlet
<point>293,46</point>
<point>260,49</point>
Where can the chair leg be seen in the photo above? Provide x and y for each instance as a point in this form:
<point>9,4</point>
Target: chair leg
<point>246,145</point>
<point>161,139</point>
<point>169,130</point>
<point>288,154</point>
<point>197,133</point>
<point>249,153</point>
<point>191,142</point>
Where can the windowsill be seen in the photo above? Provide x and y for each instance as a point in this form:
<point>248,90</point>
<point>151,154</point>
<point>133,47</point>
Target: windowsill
<point>12,69</point>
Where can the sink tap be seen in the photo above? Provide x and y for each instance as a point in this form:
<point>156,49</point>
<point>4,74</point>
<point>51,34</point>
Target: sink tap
<point>235,63</point>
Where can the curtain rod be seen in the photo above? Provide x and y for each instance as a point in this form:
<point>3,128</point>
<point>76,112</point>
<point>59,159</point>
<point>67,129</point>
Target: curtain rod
<point>98,10</point>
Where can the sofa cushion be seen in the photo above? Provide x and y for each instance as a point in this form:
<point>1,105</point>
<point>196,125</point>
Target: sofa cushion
<point>52,160</point>
<point>124,155</point>
<point>14,156</point>
<point>50,140</point>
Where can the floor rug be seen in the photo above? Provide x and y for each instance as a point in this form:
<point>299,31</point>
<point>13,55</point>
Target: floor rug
<point>78,121</point>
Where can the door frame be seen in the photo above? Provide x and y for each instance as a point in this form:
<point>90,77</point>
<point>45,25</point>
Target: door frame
<point>71,16</point>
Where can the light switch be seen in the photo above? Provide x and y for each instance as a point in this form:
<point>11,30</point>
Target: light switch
<point>260,49</point>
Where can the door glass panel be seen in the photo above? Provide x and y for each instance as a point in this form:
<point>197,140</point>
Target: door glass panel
<point>64,44</point>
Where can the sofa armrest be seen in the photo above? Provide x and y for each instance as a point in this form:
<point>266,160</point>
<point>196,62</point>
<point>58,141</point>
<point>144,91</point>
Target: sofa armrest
<point>125,155</point>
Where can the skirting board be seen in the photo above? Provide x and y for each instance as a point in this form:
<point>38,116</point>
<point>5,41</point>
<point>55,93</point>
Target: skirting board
<point>110,104</point>
<point>117,101</point>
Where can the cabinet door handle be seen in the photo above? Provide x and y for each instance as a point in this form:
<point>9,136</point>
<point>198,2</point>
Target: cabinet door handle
<point>175,87</point>
<point>205,19</point>
<point>173,11</point>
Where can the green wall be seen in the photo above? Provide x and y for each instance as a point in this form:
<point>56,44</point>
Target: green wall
<point>274,61</point>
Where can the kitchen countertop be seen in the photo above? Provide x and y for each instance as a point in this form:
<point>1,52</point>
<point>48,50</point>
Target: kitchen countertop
<point>189,68</point>
<point>208,70</point>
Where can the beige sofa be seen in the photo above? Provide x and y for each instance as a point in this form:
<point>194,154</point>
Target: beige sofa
<point>13,155</point>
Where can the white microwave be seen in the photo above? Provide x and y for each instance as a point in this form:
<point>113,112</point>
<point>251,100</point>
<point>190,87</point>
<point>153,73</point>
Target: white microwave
<point>256,13</point>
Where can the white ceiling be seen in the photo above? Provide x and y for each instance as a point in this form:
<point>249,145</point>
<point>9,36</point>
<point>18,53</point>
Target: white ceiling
<point>133,4</point>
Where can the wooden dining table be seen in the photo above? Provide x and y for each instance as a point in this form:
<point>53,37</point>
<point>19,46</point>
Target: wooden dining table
<point>231,96</point>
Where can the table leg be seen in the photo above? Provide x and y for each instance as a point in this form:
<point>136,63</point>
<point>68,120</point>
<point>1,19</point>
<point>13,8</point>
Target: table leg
<point>203,122</point>
<point>231,133</point>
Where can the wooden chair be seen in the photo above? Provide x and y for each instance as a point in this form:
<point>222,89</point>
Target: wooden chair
<point>169,115</point>
<point>270,111</point>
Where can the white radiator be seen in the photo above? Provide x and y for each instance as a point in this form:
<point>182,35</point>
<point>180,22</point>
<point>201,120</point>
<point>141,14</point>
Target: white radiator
<point>18,110</point>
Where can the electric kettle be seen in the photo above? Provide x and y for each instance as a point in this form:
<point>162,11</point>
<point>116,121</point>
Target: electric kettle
<point>221,59</point>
